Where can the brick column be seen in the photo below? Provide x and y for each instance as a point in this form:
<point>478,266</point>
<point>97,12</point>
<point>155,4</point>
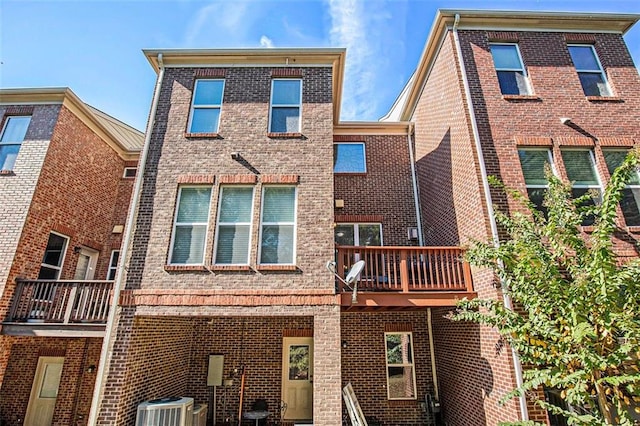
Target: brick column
<point>327,385</point>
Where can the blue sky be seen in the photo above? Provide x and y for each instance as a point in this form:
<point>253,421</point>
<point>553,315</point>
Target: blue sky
<point>94,47</point>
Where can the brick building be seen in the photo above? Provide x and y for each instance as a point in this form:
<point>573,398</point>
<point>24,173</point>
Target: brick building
<point>66,173</point>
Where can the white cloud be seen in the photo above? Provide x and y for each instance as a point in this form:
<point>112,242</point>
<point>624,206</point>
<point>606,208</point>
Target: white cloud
<point>266,42</point>
<point>219,17</point>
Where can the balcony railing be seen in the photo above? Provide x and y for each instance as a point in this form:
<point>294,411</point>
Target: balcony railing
<point>64,302</point>
<point>407,269</point>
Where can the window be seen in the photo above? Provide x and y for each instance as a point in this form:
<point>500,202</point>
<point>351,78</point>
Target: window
<point>358,234</point>
<point>401,377</point>
<point>235,212</point>
<point>580,168</point>
<point>278,225</point>
<point>190,227</point>
<point>592,78</point>
<point>349,158</point>
<point>53,258</point>
<point>533,162</point>
<point>113,265</point>
<point>130,172</point>
<point>13,133</point>
<point>286,103</point>
<point>205,109</point>
<point>512,75</point>
<point>630,202</point>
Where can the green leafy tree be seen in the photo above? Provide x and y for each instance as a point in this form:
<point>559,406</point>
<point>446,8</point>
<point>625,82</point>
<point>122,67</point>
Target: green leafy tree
<point>576,326</point>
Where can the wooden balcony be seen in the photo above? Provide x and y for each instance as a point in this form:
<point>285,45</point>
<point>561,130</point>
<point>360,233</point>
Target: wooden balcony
<point>405,277</point>
<point>59,308</point>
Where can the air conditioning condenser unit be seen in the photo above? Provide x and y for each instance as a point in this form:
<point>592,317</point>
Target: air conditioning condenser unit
<point>170,411</point>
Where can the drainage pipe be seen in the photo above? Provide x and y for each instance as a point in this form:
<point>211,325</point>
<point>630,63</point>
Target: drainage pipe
<point>517,366</point>
<point>414,179</point>
<point>436,391</point>
<point>111,327</point>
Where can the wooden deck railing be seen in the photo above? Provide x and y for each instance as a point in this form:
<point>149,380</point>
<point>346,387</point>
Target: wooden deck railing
<point>407,269</point>
<point>61,301</point>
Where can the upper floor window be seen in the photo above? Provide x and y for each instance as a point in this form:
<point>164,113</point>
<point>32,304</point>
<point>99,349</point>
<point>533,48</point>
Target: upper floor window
<point>349,158</point>
<point>233,236</point>
<point>630,202</point>
<point>286,104</point>
<point>113,265</point>
<point>190,225</point>
<point>533,163</point>
<point>358,234</point>
<point>130,172</point>
<point>589,69</point>
<point>512,75</point>
<point>13,133</point>
<point>278,225</point>
<point>580,167</point>
<point>401,374</point>
<point>53,258</point>
<point>206,105</point>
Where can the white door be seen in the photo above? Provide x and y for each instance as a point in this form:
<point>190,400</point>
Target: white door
<point>297,377</point>
<point>86,267</point>
<point>44,391</point>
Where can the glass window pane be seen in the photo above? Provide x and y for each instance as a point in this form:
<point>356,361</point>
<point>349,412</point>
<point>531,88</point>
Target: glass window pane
<point>579,192</point>
<point>536,196</point>
<point>344,235</point>
<point>533,162</point>
<point>47,273</point>
<point>205,120</point>
<point>348,157</point>
<point>208,92</point>
<point>369,235</point>
<point>400,381</point>
<point>194,205</point>
<point>279,204</point>
<point>235,204</point>
<point>505,56</point>
<point>233,244</point>
<point>8,155</point>
<point>54,252</point>
<point>399,348</point>
<point>593,84</point>
<point>630,204</point>
<point>299,362</point>
<point>285,120</point>
<point>583,58</point>
<point>277,244</point>
<point>188,244</point>
<point>286,92</point>
<point>512,83</point>
<point>15,129</point>
<point>579,168</point>
<point>51,381</point>
<point>614,159</point>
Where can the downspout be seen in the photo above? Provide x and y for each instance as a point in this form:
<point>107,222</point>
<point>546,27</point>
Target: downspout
<point>414,180</point>
<point>436,392</point>
<point>110,329</point>
<point>517,366</point>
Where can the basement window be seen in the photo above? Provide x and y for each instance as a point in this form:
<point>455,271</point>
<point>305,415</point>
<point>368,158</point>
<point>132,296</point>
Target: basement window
<point>401,374</point>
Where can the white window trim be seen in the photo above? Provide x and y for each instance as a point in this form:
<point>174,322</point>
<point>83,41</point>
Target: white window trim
<point>636,171</point>
<point>205,106</point>
<point>598,186</point>
<point>364,156</point>
<point>299,105</point>
<point>176,224</point>
<point>356,233</point>
<point>113,267</point>
<point>218,223</point>
<point>592,71</point>
<point>4,128</point>
<point>294,223</point>
<point>62,257</point>
<point>523,68</point>
<point>551,163</point>
<point>412,364</point>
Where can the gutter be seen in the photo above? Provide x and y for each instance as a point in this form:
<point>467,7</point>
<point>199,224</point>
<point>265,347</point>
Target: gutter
<point>111,327</point>
<point>517,366</point>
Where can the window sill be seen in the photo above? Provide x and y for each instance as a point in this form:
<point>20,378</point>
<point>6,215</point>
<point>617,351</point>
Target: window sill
<point>350,173</point>
<point>277,268</point>
<point>6,173</point>
<point>237,268</point>
<point>202,135</point>
<point>604,99</point>
<point>402,402</point>
<point>634,229</point>
<point>185,268</point>
<point>284,135</point>
<point>521,98</point>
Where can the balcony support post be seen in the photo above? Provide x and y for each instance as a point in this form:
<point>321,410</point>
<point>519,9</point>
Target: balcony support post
<point>70,303</point>
<point>404,271</point>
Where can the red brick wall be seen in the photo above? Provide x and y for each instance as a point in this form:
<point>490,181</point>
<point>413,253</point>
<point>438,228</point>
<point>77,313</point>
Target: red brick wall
<point>386,189</point>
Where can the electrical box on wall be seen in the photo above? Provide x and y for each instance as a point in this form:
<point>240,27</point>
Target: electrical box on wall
<point>412,234</point>
<point>339,204</point>
<point>214,376</point>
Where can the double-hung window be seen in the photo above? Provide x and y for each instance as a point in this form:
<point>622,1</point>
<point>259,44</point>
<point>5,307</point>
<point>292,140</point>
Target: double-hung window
<point>233,235</point>
<point>358,234</point>
<point>51,265</point>
<point>13,133</point>
<point>512,75</point>
<point>286,106</point>
<point>630,202</point>
<point>190,225</point>
<point>349,158</point>
<point>206,105</point>
<point>589,69</point>
<point>278,225</point>
<point>401,374</point>
<point>580,167</point>
<point>533,162</point>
